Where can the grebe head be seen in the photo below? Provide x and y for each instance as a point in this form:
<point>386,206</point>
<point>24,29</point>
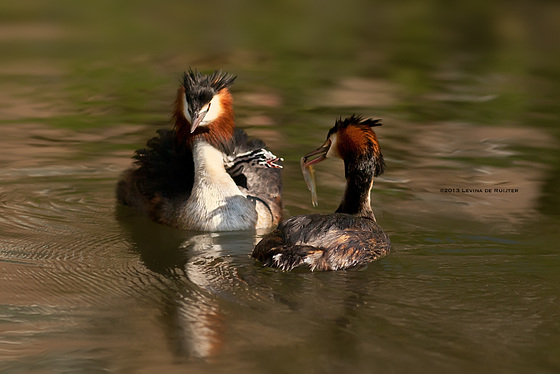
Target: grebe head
<point>204,106</point>
<point>350,139</point>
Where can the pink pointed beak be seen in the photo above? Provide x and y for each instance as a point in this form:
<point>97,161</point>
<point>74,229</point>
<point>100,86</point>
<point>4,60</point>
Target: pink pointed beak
<point>198,117</point>
<point>318,155</point>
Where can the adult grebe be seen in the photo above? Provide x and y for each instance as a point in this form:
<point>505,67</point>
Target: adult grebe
<point>204,174</point>
<point>349,237</point>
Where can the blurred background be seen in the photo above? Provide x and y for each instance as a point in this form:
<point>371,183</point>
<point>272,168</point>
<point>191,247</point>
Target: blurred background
<point>468,92</point>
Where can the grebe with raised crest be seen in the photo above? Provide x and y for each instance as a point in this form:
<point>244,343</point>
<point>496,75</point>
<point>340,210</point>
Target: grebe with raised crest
<point>350,236</point>
<point>205,174</point>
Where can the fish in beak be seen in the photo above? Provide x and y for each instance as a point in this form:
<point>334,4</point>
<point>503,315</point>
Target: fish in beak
<point>307,170</point>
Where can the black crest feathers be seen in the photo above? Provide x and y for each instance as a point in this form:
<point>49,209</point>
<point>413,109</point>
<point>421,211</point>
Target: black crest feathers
<point>216,81</point>
<point>354,119</point>
<point>357,120</point>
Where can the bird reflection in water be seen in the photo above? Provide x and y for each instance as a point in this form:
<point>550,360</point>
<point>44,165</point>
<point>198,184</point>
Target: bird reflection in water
<point>191,272</point>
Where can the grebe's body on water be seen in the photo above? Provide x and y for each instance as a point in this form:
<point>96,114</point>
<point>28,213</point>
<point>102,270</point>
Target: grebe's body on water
<point>349,237</point>
<point>204,174</point>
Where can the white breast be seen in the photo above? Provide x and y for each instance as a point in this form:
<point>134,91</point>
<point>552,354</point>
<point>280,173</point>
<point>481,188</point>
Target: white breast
<point>216,203</point>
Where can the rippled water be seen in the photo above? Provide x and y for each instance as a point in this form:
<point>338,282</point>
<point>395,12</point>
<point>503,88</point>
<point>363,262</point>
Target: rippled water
<point>469,100</point>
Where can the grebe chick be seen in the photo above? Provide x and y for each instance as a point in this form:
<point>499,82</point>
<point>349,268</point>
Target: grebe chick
<point>349,237</point>
<point>204,174</point>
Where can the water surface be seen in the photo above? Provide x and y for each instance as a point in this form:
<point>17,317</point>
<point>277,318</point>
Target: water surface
<point>469,98</point>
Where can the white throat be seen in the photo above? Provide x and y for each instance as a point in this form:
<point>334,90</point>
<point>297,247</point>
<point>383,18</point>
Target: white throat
<point>216,203</point>
<point>209,165</point>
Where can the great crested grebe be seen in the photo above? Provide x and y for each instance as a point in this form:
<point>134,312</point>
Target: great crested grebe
<point>349,237</point>
<point>205,174</point>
